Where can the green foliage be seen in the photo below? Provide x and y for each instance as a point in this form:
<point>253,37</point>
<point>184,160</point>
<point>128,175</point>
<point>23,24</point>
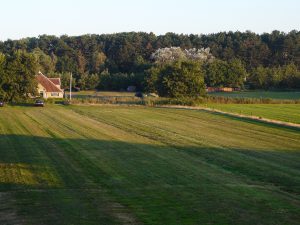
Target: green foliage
<point>287,76</point>
<point>65,80</point>
<point>290,76</point>
<point>67,64</point>
<point>151,79</point>
<point>120,81</point>
<point>17,76</point>
<point>88,82</point>
<point>3,77</point>
<point>178,79</point>
<point>225,74</point>
<point>98,62</point>
<point>127,53</point>
<point>81,63</point>
<point>46,63</point>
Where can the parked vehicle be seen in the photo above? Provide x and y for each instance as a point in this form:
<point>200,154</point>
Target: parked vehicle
<point>139,95</point>
<point>39,103</point>
<point>1,104</point>
<point>76,89</point>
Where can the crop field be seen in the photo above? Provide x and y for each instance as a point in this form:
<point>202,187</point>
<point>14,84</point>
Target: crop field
<point>260,94</point>
<point>138,165</point>
<point>282,112</point>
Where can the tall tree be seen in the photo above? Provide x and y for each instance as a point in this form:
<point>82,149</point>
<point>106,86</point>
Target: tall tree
<point>98,61</point>
<point>21,68</point>
<point>3,77</point>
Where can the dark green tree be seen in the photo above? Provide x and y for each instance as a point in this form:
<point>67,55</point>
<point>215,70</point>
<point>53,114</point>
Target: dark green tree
<point>220,73</point>
<point>21,68</point>
<point>178,79</point>
<point>3,77</point>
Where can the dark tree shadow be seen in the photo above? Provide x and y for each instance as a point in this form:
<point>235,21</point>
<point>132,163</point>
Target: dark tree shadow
<point>89,181</point>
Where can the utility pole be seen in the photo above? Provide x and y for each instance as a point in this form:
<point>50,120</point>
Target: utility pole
<point>70,86</point>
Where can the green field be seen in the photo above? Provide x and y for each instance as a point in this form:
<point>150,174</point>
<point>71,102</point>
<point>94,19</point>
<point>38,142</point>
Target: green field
<point>101,94</point>
<point>137,165</point>
<point>260,94</point>
<point>282,112</point>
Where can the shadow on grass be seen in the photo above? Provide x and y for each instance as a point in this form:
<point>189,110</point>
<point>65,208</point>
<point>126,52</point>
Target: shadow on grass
<point>256,121</point>
<point>23,104</point>
<point>244,119</point>
<point>74,181</point>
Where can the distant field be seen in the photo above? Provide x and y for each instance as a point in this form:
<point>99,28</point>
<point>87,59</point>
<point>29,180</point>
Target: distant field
<point>137,165</point>
<point>283,112</point>
<point>259,94</point>
<point>102,94</point>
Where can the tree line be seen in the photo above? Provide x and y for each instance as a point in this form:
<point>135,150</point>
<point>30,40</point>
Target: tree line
<point>115,61</point>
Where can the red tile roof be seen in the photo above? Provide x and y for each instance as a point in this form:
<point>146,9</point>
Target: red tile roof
<point>55,81</point>
<point>47,83</point>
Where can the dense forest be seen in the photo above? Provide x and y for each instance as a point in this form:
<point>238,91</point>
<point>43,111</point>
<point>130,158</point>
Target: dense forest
<point>115,61</point>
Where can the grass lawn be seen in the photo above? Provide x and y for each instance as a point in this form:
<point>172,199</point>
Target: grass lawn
<point>137,165</point>
<point>282,112</point>
<point>260,94</point>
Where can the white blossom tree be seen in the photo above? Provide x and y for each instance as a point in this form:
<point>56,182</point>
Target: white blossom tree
<point>165,55</point>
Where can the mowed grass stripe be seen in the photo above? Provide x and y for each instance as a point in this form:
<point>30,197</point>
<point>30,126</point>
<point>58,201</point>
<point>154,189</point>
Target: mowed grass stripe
<point>119,113</point>
<point>203,127</point>
<point>76,179</point>
<point>281,112</point>
<point>260,94</point>
<point>220,125</point>
<point>22,161</point>
<point>237,138</point>
<point>106,154</point>
<point>238,153</point>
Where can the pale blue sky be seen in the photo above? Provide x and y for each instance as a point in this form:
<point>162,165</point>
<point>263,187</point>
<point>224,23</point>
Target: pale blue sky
<point>27,18</point>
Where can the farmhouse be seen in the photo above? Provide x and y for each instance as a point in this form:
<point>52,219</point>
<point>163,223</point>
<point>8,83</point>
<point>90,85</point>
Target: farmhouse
<point>49,87</point>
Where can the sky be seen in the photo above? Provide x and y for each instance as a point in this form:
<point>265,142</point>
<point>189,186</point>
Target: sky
<point>31,18</point>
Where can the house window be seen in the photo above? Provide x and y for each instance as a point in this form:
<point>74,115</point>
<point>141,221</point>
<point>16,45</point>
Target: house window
<point>41,94</point>
<point>54,94</point>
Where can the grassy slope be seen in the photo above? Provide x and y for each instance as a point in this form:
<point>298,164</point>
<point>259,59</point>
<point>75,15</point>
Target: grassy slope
<point>260,94</point>
<point>283,112</point>
<point>164,166</point>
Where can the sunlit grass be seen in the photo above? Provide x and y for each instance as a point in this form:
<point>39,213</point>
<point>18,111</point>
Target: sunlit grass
<point>114,164</point>
<point>27,175</point>
<point>282,112</point>
<point>260,94</point>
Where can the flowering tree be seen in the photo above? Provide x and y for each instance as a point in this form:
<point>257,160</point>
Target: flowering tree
<point>167,55</point>
<point>202,54</point>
